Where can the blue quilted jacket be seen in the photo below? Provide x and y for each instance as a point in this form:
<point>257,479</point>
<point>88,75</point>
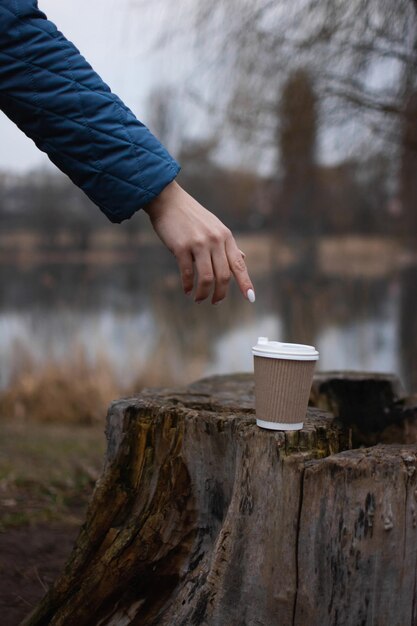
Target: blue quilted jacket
<point>50,91</point>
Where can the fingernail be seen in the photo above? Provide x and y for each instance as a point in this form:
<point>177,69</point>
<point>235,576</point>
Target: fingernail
<point>251,295</point>
<point>218,302</point>
<point>188,293</point>
<point>198,301</point>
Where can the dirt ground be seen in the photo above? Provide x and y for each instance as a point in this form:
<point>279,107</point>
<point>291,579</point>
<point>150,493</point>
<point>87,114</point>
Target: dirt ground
<point>31,557</point>
<point>47,476</point>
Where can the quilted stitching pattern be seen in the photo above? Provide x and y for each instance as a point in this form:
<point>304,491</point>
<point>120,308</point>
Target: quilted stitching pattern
<point>49,90</point>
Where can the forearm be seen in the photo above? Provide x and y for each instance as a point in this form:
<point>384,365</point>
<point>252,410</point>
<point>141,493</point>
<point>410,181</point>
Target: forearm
<point>49,90</point>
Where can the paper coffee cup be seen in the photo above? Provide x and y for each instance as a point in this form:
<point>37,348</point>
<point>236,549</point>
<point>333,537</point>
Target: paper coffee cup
<point>283,378</point>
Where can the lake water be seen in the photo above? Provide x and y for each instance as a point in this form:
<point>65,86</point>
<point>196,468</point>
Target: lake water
<point>135,317</point>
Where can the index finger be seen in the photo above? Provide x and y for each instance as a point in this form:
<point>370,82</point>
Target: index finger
<point>239,270</point>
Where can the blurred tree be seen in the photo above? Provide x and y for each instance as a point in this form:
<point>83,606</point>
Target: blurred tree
<point>49,204</point>
<point>408,195</point>
<point>235,195</point>
<point>297,134</point>
<point>360,56</point>
<point>164,115</point>
<point>47,207</point>
<point>297,216</point>
<point>407,326</point>
<point>358,51</point>
<point>353,197</point>
<point>408,170</point>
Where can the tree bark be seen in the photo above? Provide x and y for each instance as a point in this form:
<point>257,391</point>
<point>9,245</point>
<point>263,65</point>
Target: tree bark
<point>202,518</point>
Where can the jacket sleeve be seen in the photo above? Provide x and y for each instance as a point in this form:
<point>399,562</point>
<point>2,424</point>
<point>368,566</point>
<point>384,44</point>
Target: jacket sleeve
<point>50,91</point>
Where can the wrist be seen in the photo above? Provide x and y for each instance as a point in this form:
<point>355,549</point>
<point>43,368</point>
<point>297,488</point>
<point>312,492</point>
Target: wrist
<point>162,199</point>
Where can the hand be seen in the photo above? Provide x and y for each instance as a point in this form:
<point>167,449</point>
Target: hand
<point>194,235</point>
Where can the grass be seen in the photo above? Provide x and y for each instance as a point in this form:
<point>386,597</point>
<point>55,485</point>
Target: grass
<point>47,471</point>
<point>52,442</point>
<point>69,392</point>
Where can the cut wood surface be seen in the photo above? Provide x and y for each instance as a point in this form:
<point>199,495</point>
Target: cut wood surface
<point>200,517</point>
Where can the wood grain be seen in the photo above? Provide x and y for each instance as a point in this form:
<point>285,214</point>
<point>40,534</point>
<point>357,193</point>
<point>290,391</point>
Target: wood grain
<point>202,518</point>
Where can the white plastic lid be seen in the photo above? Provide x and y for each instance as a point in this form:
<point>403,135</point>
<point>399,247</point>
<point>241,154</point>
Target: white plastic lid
<point>278,350</point>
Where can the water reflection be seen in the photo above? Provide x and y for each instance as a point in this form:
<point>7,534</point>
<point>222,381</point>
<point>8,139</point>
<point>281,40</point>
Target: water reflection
<point>135,316</point>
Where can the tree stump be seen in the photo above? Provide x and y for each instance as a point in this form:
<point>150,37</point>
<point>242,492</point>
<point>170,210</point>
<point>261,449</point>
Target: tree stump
<point>200,517</point>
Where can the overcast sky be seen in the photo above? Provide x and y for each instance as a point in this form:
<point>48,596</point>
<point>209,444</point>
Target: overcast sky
<point>115,37</point>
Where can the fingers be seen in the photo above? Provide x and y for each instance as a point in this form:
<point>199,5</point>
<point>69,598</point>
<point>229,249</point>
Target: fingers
<point>205,273</point>
<point>214,266</point>
<point>222,274</point>
<point>238,267</point>
<point>196,236</point>
<point>186,267</point>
